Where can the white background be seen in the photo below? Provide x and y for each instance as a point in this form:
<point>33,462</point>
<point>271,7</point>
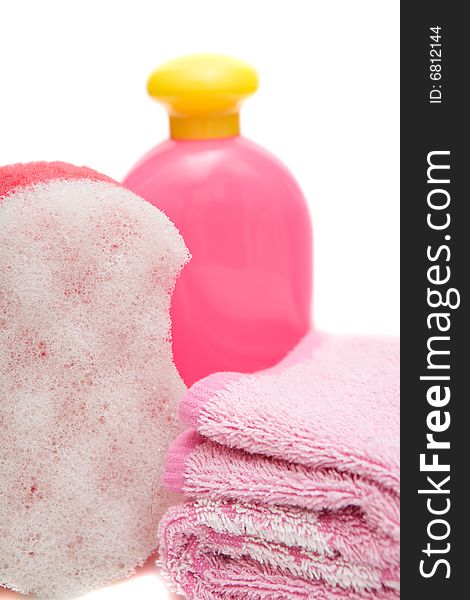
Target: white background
<point>72,87</point>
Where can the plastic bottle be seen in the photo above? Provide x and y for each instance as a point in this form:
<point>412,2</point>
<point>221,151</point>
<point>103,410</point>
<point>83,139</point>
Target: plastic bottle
<point>244,300</point>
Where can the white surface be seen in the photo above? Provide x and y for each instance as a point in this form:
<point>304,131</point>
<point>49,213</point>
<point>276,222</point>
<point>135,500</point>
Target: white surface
<point>72,88</point>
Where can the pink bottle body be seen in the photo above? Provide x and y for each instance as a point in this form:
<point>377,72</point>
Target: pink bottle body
<point>244,300</point>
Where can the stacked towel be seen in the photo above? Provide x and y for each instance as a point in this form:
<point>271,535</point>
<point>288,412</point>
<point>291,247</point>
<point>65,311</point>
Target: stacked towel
<point>293,478</point>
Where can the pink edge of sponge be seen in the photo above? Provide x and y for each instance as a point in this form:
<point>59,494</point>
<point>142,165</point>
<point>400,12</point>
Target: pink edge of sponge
<point>22,175</point>
<point>88,388</point>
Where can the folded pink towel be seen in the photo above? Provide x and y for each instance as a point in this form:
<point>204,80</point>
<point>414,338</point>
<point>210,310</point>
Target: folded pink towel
<point>294,475</point>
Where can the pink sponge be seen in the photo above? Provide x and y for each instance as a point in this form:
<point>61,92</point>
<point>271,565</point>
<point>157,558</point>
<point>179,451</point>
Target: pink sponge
<point>87,382</point>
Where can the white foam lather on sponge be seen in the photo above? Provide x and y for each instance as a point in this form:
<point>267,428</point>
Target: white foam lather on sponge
<point>88,387</point>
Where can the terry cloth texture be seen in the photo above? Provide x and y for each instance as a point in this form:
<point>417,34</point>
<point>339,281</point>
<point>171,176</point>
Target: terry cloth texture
<point>293,478</point>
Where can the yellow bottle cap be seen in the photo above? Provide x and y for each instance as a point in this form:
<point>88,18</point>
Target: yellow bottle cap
<point>203,93</point>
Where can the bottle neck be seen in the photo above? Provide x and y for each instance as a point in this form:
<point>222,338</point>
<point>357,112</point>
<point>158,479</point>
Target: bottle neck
<point>204,127</point>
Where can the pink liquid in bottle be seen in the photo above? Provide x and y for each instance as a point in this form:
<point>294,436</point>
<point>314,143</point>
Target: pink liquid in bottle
<point>244,300</point>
